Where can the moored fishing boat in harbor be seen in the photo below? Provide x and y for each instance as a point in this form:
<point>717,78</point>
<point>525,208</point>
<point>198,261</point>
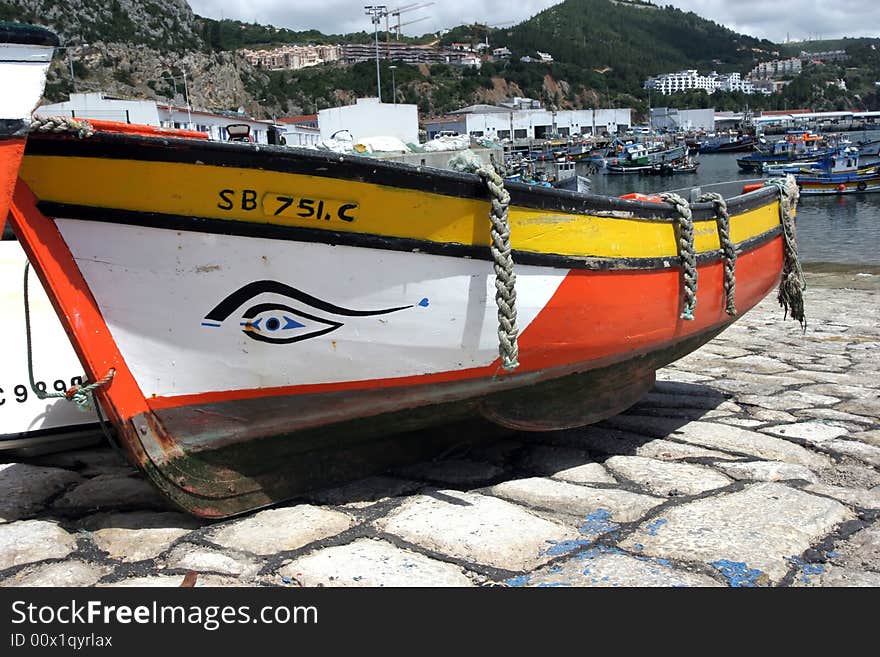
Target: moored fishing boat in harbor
<point>839,173</point>
<point>263,318</point>
<point>729,143</point>
<point>797,146</point>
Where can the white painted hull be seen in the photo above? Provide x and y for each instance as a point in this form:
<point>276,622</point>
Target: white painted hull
<point>22,414</point>
<point>156,289</point>
<point>23,68</point>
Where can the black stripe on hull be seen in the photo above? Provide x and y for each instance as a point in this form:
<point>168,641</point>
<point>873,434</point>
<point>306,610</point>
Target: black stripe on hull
<point>24,34</point>
<point>364,169</point>
<point>312,235</point>
<point>13,128</point>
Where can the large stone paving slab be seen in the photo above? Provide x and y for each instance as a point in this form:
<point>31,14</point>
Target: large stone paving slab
<point>667,479</point>
<point>27,541</point>
<point>106,492</point>
<point>576,500</point>
<point>667,450</point>
<point>280,530</point>
<point>814,433</point>
<point>564,463</point>
<point>137,535</point>
<point>609,568</point>
<point>768,471</point>
<point>477,529</point>
<point>25,489</point>
<point>722,437</point>
<point>62,573</point>
<point>752,531</point>
<point>200,559</point>
<point>368,562</point>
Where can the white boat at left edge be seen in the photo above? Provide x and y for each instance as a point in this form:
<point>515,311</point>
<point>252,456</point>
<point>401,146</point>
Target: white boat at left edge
<point>29,425</point>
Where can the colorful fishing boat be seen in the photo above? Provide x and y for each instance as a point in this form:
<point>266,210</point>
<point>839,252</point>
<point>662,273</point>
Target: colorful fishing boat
<point>797,146</point>
<point>839,173</point>
<point>728,143</point>
<point>264,320</point>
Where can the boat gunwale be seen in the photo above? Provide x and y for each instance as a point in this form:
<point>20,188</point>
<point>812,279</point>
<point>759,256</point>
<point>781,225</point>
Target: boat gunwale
<point>286,159</point>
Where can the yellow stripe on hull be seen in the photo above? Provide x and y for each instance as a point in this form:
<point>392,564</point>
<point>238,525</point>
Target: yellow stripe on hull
<point>254,195</point>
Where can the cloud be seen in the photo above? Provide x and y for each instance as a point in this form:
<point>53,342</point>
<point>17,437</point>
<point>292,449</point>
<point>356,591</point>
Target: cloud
<point>775,20</point>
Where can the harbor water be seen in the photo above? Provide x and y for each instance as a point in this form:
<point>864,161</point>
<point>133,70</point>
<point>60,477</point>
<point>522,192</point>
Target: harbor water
<point>840,230</point>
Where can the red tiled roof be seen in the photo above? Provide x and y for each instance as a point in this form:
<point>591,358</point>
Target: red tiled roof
<point>306,118</point>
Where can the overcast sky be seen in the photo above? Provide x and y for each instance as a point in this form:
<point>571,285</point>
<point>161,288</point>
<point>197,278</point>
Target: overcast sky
<point>776,20</point>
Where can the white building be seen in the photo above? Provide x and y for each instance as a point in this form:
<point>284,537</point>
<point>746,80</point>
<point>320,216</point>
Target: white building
<point>292,56</point>
<point>670,118</point>
<point>370,118</point>
<point>672,83</point>
<point>99,106</point>
<point>735,82</point>
<point>300,130</point>
<point>497,122</point>
<point>776,68</point>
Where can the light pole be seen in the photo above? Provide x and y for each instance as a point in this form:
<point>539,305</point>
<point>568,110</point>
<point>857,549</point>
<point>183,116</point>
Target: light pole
<point>376,12</point>
<point>393,85</point>
<point>68,48</point>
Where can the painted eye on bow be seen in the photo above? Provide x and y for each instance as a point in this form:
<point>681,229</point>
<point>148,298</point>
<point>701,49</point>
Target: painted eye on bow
<point>280,324</point>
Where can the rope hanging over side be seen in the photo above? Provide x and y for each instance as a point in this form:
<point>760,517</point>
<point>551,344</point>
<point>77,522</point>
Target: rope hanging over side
<point>505,277</point>
<point>59,124</point>
<point>793,284</point>
<point>728,250</point>
<point>81,395</point>
<point>686,251</point>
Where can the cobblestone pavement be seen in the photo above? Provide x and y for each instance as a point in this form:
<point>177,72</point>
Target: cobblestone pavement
<point>755,461</point>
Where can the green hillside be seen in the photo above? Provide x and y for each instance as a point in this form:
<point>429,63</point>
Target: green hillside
<point>633,38</point>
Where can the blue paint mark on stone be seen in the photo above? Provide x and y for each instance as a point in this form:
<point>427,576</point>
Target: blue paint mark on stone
<point>424,302</point>
<point>813,569</point>
<point>663,562</point>
<point>286,580</point>
<point>552,584</point>
<point>654,526</point>
<point>596,551</point>
<point>519,580</point>
<point>832,554</point>
<point>564,547</point>
<point>638,547</point>
<point>587,571</point>
<point>598,522</point>
<point>554,570</point>
<point>738,574</point>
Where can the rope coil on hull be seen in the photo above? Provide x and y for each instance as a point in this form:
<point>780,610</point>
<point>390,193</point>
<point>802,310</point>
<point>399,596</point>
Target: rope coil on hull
<point>686,250</point>
<point>505,276</point>
<point>728,249</point>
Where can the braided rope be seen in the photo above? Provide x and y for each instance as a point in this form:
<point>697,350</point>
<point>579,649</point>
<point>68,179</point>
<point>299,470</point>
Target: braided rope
<point>505,276</point>
<point>686,251</point>
<point>81,395</point>
<point>793,284</point>
<point>728,250</point>
<point>59,124</point>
